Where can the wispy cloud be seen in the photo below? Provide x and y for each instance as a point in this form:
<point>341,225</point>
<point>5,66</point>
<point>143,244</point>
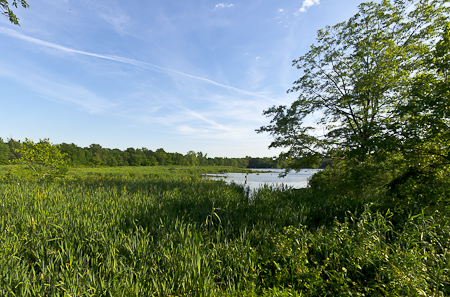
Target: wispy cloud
<point>307,4</point>
<point>223,5</point>
<point>119,21</point>
<point>73,94</point>
<point>137,63</point>
<point>60,91</point>
<point>202,127</point>
<point>111,13</point>
<point>233,114</point>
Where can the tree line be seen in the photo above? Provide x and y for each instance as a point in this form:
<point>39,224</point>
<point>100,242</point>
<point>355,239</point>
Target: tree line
<point>96,155</point>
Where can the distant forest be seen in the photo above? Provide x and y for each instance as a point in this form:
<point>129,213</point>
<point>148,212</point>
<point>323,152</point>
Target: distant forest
<point>96,155</point>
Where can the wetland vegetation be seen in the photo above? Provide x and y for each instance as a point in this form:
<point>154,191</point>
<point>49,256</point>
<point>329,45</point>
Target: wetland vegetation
<point>165,231</point>
<point>375,222</point>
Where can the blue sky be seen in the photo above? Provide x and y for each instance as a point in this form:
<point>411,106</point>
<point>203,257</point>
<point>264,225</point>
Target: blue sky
<point>179,75</point>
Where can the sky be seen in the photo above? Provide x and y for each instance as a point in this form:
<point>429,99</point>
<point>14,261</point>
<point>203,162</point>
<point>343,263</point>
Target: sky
<point>180,75</point>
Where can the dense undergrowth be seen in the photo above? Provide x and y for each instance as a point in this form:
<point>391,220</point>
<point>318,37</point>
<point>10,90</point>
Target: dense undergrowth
<point>164,231</point>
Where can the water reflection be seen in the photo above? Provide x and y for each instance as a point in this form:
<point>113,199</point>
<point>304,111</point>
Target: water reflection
<point>267,177</point>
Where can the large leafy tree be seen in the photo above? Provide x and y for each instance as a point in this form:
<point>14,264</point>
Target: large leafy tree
<point>5,9</point>
<point>425,129</point>
<point>354,79</point>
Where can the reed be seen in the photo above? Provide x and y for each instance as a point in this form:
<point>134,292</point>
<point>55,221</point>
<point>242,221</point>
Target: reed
<point>165,231</point>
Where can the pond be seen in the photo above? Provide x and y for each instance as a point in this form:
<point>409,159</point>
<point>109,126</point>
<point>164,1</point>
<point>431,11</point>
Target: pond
<point>267,177</point>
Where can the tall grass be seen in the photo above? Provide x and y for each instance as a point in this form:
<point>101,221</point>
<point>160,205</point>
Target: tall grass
<point>167,232</point>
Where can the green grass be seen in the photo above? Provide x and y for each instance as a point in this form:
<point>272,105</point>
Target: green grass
<point>164,231</point>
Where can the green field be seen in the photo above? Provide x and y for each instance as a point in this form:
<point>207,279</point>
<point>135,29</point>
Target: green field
<point>164,231</point>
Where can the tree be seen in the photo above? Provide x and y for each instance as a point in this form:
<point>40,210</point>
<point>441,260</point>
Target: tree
<point>75,154</point>
<point>117,158</point>
<point>43,158</point>
<point>4,152</point>
<point>179,159</point>
<point>150,159</point>
<point>161,156</point>
<point>98,154</point>
<point>6,10</point>
<point>354,79</point>
<point>13,145</point>
<point>136,156</point>
<point>202,159</point>
<point>192,158</point>
<point>425,130</point>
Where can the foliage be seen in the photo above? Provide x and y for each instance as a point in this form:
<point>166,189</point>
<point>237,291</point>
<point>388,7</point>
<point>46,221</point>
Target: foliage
<point>96,155</point>
<point>13,145</point>
<point>6,10</point>
<point>425,132</point>
<point>4,152</point>
<point>375,223</point>
<point>354,79</point>
<point>43,160</point>
<point>262,163</point>
<point>161,231</point>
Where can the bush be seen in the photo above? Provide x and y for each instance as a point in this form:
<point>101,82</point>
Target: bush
<point>43,159</point>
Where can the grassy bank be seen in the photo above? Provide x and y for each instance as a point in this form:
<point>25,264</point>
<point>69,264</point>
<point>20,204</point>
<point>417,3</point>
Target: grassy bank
<point>164,231</point>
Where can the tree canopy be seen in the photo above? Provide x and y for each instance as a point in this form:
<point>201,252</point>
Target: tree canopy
<point>359,80</point>
<point>4,152</point>
<point>425,132</point>
<point>5,9</point>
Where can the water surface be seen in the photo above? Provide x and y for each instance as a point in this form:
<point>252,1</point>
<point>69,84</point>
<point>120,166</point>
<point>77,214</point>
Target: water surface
<point>267,177</point>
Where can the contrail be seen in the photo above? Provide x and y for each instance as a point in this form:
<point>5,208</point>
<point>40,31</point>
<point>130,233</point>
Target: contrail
<point>137,63</point>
